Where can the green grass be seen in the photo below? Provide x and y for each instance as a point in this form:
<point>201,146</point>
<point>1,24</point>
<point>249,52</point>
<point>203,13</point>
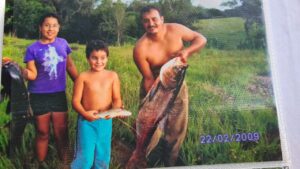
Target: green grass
<point>224,33</point>
<point>220,103</point>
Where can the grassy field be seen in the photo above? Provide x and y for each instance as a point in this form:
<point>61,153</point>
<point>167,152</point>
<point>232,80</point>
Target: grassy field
<point>223,33</point>
<point>230,92</point>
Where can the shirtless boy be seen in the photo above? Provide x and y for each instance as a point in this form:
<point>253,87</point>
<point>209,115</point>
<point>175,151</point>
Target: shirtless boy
<point>95,91</point>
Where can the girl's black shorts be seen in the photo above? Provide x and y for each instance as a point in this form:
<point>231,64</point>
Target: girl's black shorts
<point>42,103</point>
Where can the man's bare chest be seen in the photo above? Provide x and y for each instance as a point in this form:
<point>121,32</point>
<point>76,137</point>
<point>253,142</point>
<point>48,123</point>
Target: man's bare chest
<point>160,53</point>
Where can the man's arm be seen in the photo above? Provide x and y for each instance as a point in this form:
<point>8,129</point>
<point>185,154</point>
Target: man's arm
<point>144,67</point>
<point>197,40</point>
<point>116,97</point>
<point>71,68</point>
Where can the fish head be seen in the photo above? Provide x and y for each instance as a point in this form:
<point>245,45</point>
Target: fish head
<point>5,81</point>
<point>14,70</point>
<point>172,73</point>
<point>10,71</point>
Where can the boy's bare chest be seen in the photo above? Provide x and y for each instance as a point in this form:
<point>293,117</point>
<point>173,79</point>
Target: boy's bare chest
<point>96,86</point>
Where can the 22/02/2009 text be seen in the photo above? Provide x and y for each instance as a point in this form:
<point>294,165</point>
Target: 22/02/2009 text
<point>227,138</point>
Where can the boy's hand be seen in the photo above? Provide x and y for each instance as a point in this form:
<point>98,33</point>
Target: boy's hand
<point>120,116</point>
<point>91,115</point>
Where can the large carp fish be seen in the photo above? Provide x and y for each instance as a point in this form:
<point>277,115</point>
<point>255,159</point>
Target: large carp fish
<point>153,111</point>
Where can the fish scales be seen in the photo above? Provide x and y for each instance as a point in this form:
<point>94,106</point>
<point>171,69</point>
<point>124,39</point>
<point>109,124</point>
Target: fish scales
<point>153,109</point>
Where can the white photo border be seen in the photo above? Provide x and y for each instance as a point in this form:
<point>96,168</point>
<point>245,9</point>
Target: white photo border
<point>285,94</point>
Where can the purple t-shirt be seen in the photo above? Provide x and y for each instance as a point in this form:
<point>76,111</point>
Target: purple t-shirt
<point>50,60</point>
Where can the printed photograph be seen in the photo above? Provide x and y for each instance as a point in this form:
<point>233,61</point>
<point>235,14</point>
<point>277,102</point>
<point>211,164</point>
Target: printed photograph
<point>136,84</point>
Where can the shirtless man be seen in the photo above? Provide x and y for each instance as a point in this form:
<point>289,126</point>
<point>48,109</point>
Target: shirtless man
<point>95,91</point>
<point>160,43</point>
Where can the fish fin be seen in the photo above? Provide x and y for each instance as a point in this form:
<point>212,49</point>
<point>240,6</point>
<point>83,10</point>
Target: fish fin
<point>30,111</point>
<point>142,102</point>
<point>154,141</point>
<point>153,91</point>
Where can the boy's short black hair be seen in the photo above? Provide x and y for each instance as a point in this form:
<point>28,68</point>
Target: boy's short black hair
<point>49,15</point>
<point>96,45</point>
<point>148,8</point>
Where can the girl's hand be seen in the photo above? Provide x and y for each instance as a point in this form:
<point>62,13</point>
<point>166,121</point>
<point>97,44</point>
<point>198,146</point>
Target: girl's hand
<point>24,73</point>
<point>6,60</point>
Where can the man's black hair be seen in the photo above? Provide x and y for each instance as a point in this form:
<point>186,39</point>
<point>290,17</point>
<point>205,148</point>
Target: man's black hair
<point>148,8</point>
<point>49,15</point>
<point>96,45</point>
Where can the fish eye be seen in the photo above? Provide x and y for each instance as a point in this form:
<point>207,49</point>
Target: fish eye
<point>176,68</point>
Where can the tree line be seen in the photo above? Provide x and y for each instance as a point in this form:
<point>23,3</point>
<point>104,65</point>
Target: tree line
<point>117,22</point>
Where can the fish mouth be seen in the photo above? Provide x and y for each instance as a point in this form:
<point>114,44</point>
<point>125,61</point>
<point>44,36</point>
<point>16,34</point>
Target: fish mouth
<point>172,73</point>
<point>181,75</point>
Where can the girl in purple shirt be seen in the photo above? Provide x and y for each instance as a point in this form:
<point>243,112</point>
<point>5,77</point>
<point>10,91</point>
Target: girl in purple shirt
<point>47,61</point>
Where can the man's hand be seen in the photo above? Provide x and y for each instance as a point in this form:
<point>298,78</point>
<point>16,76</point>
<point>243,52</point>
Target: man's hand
<point>183,55</point>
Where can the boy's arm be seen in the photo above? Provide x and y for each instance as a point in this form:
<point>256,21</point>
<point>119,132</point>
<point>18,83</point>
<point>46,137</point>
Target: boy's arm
<point>76,101</point>
<point>71,68</point>
<point>117,101</point>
